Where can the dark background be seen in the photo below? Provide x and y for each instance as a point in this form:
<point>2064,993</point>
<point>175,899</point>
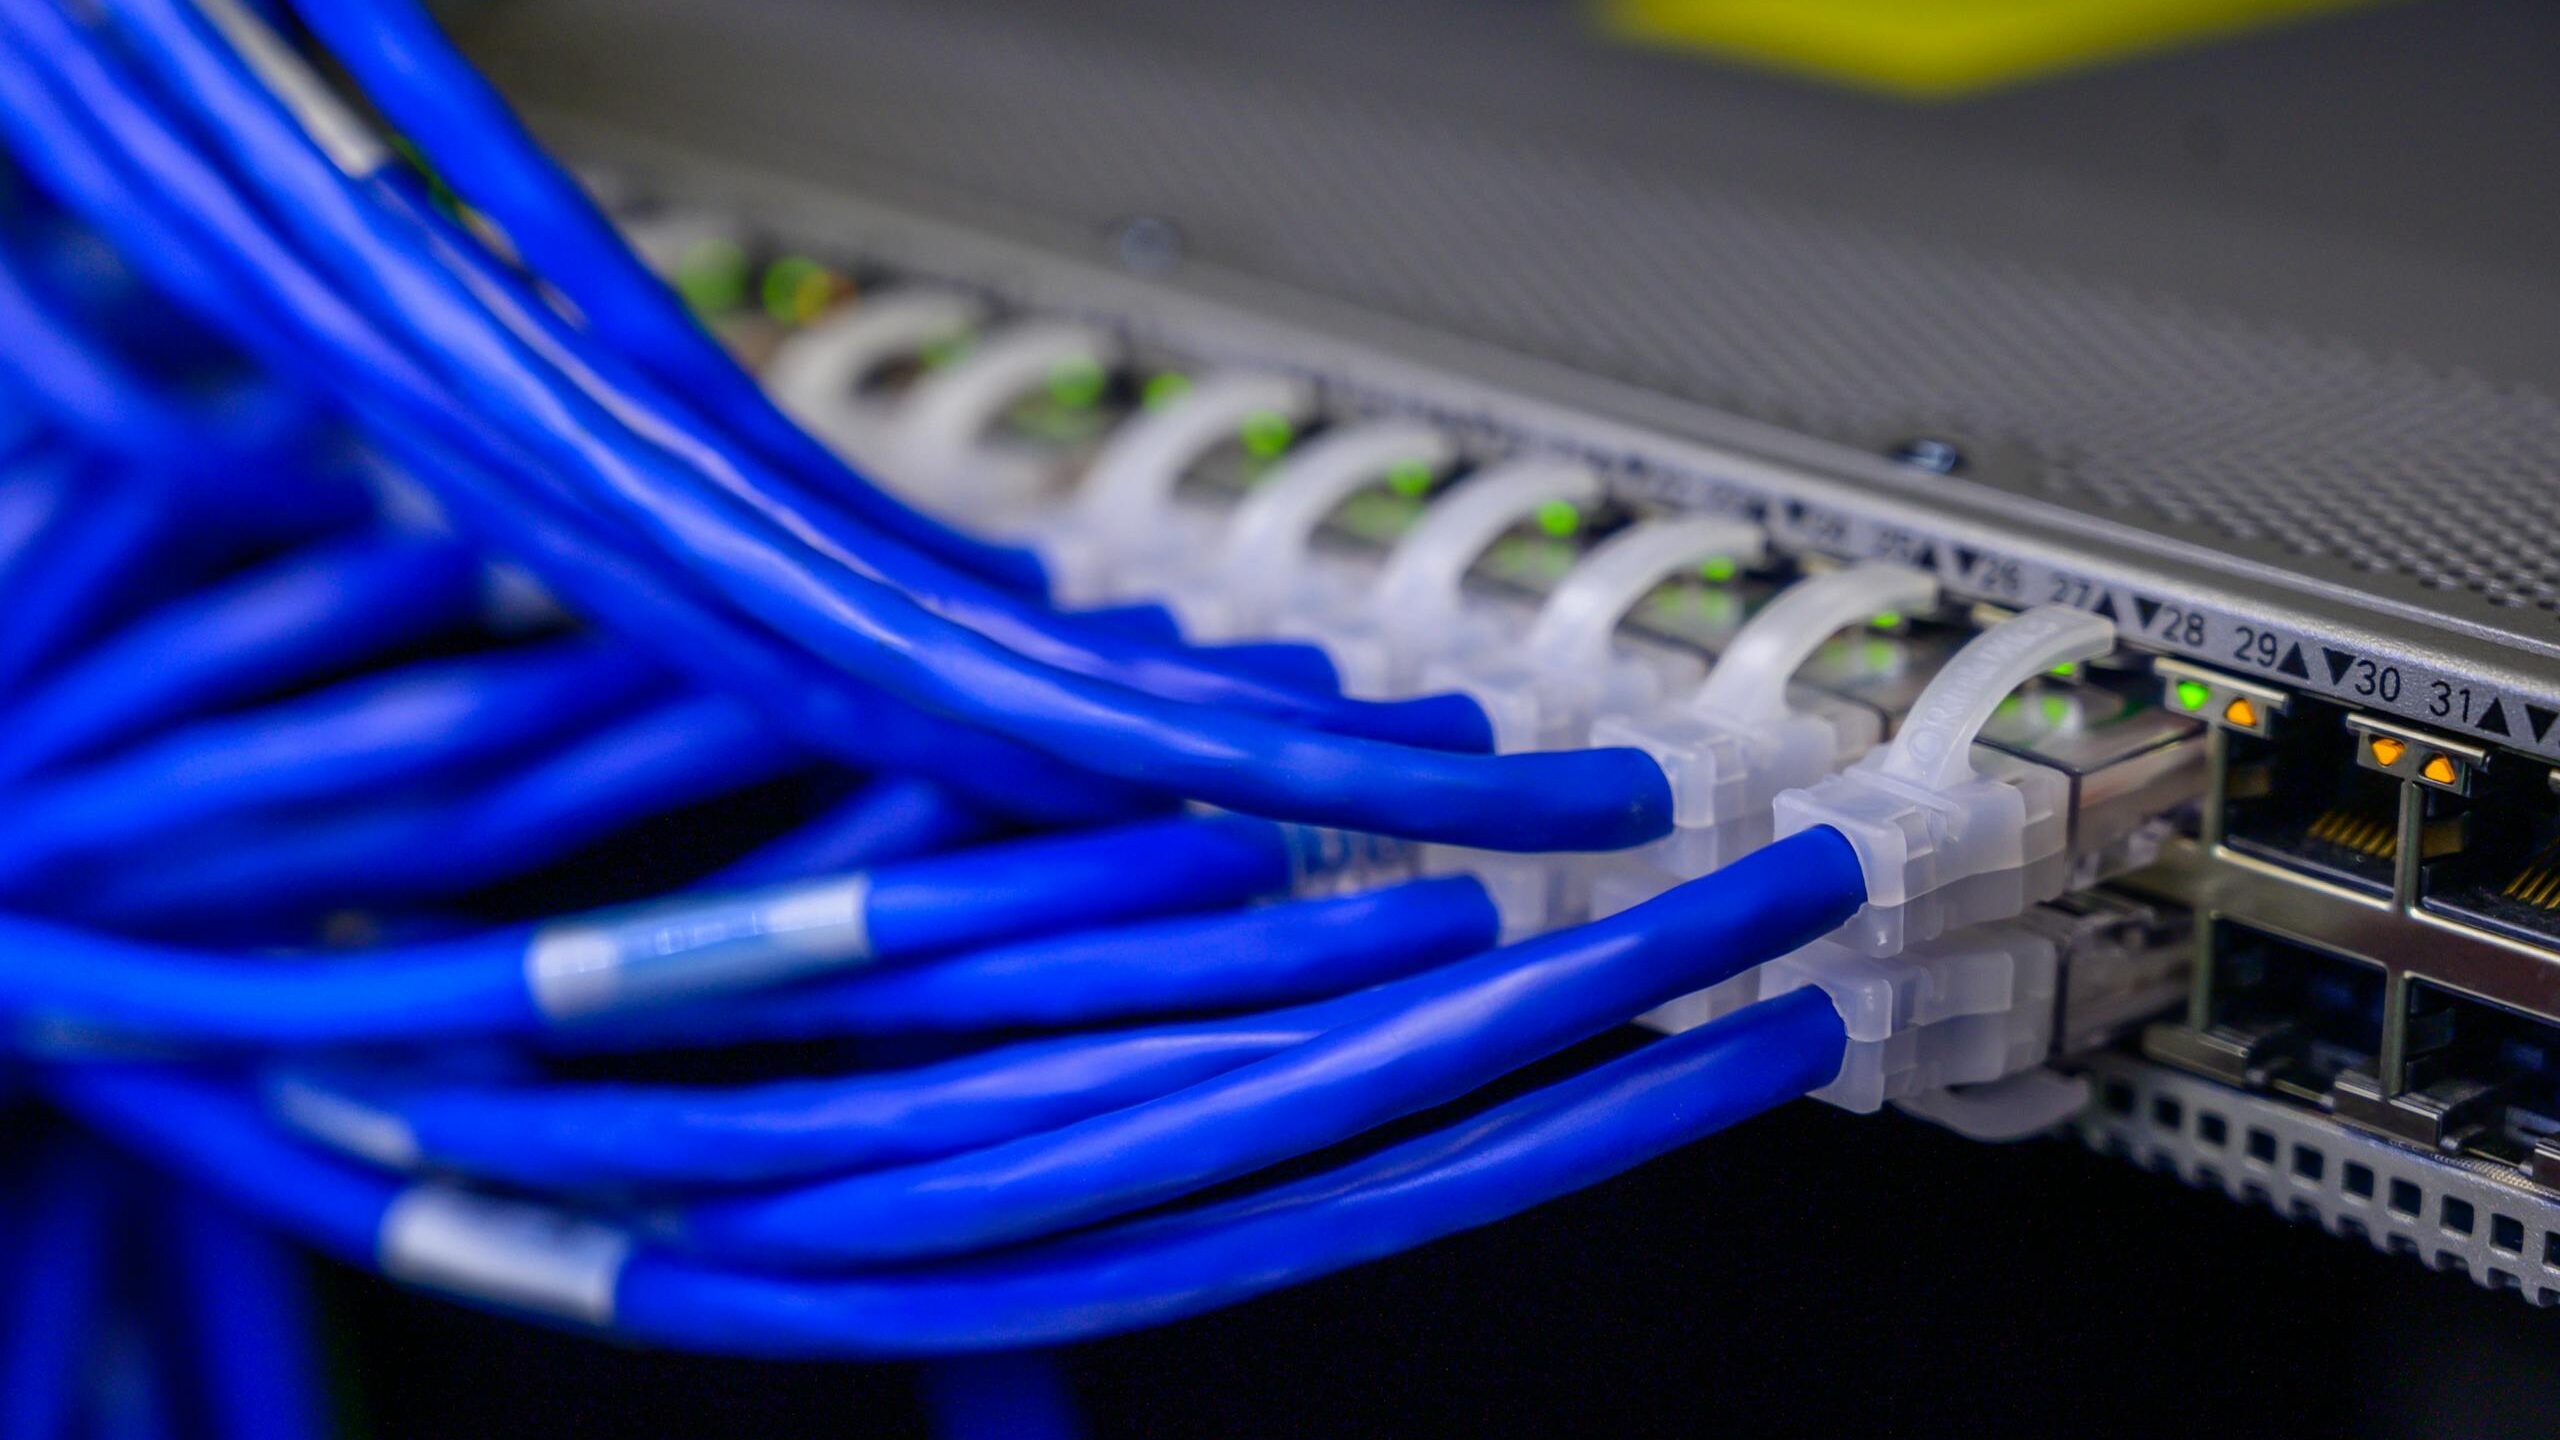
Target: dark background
<point>1812,1273</point>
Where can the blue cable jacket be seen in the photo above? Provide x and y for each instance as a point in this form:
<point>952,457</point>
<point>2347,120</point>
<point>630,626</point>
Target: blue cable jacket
<point>608,1138</point>
<point>1070,643</point>
<point>1049,882</point>
<point>1569,801</point>
<point>251,1326</point>
<point>81,567</point>
<point>285,623</point>
<point>435,96</point>
<point>1551,1142</point>
<point>178,197</point>
<point>1274,954</point>
<point>660,760</point>
<point>1431,1039</point>
<point>112,409</point>
<point>435,721</point>
<point>894,817</point>
<point>49,1312</point>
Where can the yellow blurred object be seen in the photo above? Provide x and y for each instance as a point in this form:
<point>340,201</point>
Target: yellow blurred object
<point>1936,48</point>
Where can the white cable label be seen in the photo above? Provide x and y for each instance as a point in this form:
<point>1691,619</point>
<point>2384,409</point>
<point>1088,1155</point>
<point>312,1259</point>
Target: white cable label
<point>671,952</point>
<point>505,1252</point>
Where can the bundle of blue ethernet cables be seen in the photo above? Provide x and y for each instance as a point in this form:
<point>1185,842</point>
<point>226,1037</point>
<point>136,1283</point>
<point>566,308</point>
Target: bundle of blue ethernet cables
<point>444,704</point>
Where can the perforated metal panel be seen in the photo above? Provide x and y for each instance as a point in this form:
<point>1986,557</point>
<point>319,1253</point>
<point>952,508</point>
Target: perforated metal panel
<point>2409,477</point>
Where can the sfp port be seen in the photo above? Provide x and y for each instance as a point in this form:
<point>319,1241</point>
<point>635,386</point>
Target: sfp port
<point>2304,1013</point>
<point>2491,1073</point>
<point>2299,799</point>
<point>2505,874</point>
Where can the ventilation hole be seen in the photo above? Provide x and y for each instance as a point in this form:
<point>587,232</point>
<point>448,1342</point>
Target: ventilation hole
<point>2358,1178</point>
<point>2117,1097</point>
<point>2458,1216</point>
<point>2166,1112</point>
<point>2262,1146</point>
<point>2506,1232</point>
<point>2405,1199</point>
<point>2212,1129</point>
<point>2309,1164</point>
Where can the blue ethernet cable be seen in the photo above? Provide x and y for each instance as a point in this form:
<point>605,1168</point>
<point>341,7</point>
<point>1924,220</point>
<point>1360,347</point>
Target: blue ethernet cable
<point>891,817</point>
<point>49,1312</point>
<point>660,760</point>
<point>1593,799</point>
<point>441,722</point>
<point>290,621</point>
<point>65,982</point>
<point>116,412</point>
<point>250,1323</point>
<point>1550,1142</point>
<point>590,1137</point>
<point>607,1138</point>
<point>1426,1040</point>
<point>622,397</point>
<point>1170,671</point>
<point>1268,955</point>
<point>821,707</point>
<point>435,96</point>
<point>78,569</point>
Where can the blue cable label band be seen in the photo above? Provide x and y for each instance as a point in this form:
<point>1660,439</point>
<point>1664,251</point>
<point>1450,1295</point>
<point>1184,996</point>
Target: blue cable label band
<point>672,952</point>
<point>507,1253</point>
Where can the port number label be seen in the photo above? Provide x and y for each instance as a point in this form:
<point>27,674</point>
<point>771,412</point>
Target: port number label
<point>2448,701</point>
<point>2179,626</point>
<point>2258,647</point>
<point>2369,681</point>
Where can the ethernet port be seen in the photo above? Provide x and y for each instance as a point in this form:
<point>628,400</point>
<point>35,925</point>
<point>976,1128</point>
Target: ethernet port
<point>2493,1072</point>
<point>2309,1014</point>
<point>2300,800</point>
<point>2504,874</point>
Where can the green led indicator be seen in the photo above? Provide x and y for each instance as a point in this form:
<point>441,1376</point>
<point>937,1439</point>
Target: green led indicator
<point>1880,655</point>
<point>1409,478</point>
<point>1165,387</point>
<point>1720,570</point>
<point>712,276</point>
<point>1886,620</point>
<point>795,288</point>
<point>2192,694</point>
<point>2066,670</point>
<point>2057,708</point>
<point>1266,433</point>
<point>1559,518</point>
<point>1077,384</point>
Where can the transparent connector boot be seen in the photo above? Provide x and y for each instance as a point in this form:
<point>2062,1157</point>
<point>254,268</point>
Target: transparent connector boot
<point>935,446</point>
<point>1747,733</point>
<point>1948,835</point>
<point>1125,536</point>
<point>1261,570</point>
<point>817,375</point>
<point>1569,670</point>
<point>1969,1009</point>
<point>1418,612</point>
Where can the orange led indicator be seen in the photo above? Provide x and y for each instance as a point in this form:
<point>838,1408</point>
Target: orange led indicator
<point>2439,769</point>
<point>2387,751</point>
<point>2241,713</point>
